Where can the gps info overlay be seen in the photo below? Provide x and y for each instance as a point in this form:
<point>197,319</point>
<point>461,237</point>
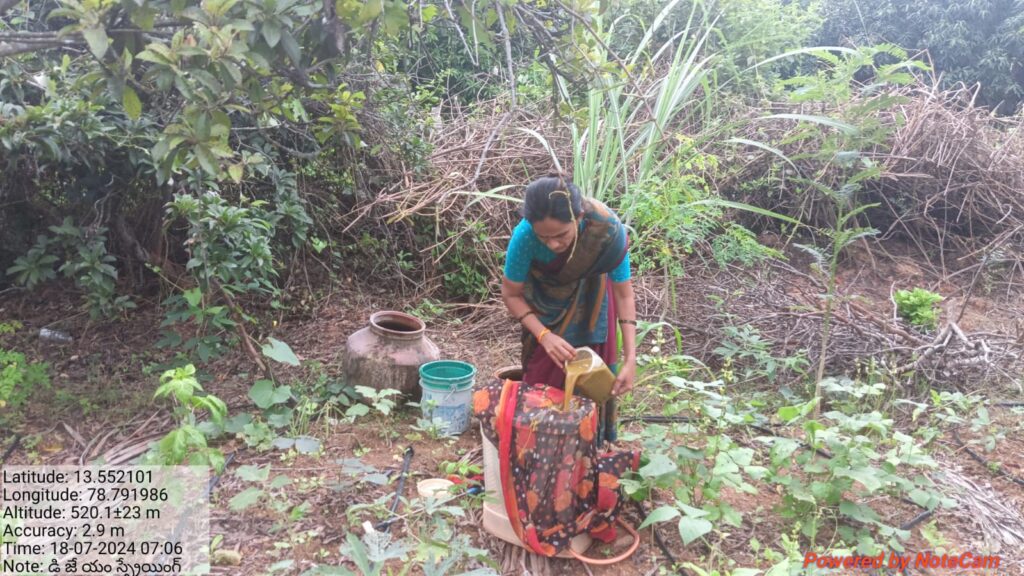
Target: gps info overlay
<point>104,520</point>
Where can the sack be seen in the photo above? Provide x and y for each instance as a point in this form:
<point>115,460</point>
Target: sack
<point>554,483</point>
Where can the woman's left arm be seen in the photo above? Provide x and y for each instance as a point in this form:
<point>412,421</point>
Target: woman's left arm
<point>625,307</point>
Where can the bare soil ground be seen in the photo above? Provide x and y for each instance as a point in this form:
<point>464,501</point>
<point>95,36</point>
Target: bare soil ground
<point>100,404</point>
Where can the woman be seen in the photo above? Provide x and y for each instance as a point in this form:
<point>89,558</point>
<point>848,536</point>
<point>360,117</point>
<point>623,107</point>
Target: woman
<point>567,280</point>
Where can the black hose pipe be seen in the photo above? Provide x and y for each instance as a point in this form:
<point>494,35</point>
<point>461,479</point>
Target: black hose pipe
<point>10,449</point>
<point>384,525</point>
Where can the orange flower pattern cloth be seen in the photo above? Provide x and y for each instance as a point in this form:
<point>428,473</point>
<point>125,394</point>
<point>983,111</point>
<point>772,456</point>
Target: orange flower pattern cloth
<point>555,484</point>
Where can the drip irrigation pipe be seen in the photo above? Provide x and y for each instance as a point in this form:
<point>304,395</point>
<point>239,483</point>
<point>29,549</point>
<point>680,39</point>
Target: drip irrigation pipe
<point>690,420</point>
<point>10,449</point>
<point>981,460</point>
<point>819,451</point>
<point>384,525</point>
<point>216,479</point>
<point>657,539</point>
<point>658,419</point>
<point>1009,404</point>
<point>917,519</point>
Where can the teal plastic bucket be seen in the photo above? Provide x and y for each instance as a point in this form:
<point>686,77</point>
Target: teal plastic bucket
<point>447,394</point>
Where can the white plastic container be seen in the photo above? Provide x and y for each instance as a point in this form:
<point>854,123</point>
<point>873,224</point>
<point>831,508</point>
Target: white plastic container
<point>496,519</point>
<point>433,487</point>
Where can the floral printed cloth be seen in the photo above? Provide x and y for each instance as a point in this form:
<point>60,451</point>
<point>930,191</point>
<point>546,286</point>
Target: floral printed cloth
<point>555,484</point>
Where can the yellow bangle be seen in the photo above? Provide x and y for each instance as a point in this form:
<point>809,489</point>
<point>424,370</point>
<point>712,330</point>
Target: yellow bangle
<point>543,333</point>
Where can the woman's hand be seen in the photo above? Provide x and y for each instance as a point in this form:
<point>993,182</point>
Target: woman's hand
<point>624,381</point>
<point>558,349</point>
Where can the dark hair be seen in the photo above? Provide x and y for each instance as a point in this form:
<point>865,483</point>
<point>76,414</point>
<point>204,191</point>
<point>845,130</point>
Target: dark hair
<point>541,200</point>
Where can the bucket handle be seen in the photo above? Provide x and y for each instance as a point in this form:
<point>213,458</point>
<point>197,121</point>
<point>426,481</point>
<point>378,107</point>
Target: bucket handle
<point>453,390</point>
<point>614,560</point>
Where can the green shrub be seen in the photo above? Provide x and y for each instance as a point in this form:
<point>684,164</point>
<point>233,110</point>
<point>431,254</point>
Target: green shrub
<point>19,378</point>
<point>917,306</point>
<point>85,259</point>
<point>973,42</point>
<point>187,444</point>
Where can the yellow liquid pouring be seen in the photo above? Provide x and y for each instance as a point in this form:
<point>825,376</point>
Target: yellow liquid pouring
<point>573,371</point>
<point>587,373</point>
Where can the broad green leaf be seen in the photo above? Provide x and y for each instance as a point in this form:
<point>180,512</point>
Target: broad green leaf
<point>660,464</point>
<point>690,511</point>
<point>236,424</point>
<point>193,296</point>
<point>693,528</point>
<point>144,17</point>
<point>160,149</point>
<point>206,161</point>
<point>97,40</point>
<point>279,416</point>
<point>377,478</point>
<point>395,19</point>
<point>271,31</point>
<point>354,466</point>
<point>866,476</point>
<point>283,443</point>
<point>264,394</point>
<point>731,515</point>
<point>357,410</point>
<point>208,80</point>
<point>356,551</point>
<point>380,548</point>
<point>235,171</point>
<point>661,514</point>
<point>251,473</point>
<point>214,405</point>
<point>245,499</point>
<point>790,413</point>
<point>859,512</point>
<point>218,8</point>
<point>923,498</point>
<point>370,10</point>
<point>307,445</point>
<point>291,48</point>
<point>154,55</point>
<point>216,460</point>
<point>132,104</point>
<point>281,565</point>
<point>279,351</point>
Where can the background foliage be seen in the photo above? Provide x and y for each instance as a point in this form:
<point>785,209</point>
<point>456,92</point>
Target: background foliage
<point>968,42</point>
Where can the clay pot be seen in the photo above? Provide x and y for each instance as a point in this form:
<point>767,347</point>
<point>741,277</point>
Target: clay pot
<point>508,373</point>
<point>389,352</point>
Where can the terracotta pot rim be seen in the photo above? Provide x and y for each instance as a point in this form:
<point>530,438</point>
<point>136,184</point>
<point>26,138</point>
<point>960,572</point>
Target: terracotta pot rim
<point>416,326</point>
<point>510,367</point>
